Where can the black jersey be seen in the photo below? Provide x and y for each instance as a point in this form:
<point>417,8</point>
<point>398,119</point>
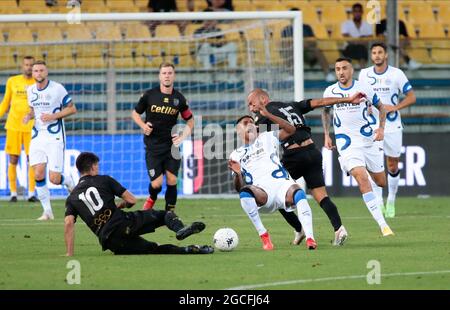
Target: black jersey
<point>293,113</point>
<point>162,111</point>
<point>93,200</point>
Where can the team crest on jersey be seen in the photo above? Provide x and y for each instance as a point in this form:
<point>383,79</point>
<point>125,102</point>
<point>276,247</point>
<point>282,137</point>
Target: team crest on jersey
<point>166,100</point>
<point>176,102</point>
<point>151,172</point>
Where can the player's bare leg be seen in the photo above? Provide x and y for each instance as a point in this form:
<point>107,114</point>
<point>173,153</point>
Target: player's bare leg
<point>321,196</point>
<point>295,196</point>
<point>43,192</point>
<point>62,179</point>
<point>251,197</point>
<point>371,201</point>
<point>393,180</point>
<point>171,191</point>
<point>12,176</point>
<point>154,188</point>
<point>31,183</point>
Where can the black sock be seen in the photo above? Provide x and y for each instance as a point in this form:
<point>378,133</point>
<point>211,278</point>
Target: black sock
<point>172,221</point>
<point>153,192</point>
<point>171,197</point>
<point>292,219</point>
<point>331,211</point>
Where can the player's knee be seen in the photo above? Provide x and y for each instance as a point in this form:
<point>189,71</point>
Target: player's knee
<point>381,181</point>
<point>39,175</point>
<point>55,179</point>
<point>13,160</point>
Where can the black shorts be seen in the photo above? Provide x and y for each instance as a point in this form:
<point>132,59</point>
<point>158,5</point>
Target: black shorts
<point>305,162</point>
<point>159,163</point>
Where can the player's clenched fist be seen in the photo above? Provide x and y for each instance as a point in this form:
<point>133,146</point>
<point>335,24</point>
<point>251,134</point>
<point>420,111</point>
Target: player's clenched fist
<point>147,128</point>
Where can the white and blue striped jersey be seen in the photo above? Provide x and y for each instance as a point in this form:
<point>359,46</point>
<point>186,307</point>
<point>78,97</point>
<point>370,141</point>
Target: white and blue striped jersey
<point>49,100</point>
<point>259,161</point>
<point>352,122</point>
<point>388,85</point>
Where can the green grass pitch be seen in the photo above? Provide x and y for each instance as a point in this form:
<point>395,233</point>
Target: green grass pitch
<point>417,257</point>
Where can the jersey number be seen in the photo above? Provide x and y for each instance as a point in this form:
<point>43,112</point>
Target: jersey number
<point>88,200</point>
<point>292,117</point>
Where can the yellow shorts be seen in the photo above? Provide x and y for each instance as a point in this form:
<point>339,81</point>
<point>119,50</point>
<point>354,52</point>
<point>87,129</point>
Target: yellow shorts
<point>15,140</point>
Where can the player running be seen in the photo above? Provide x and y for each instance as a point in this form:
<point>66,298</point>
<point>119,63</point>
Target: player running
<point>17,133</point>
<point>389,82</point>
<point>161,106</point>
<point>301,158</point>
<point>49,104</point>
<point>262,182</point>
<point>93,200</point>
<point>358,154</point>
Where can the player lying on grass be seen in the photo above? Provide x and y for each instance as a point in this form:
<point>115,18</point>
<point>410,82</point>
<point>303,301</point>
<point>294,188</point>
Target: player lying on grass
<point>262,182</point>
<point>93,200</point>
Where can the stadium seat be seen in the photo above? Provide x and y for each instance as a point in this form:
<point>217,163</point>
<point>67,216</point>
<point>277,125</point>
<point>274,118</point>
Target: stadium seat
<point>191,28</point>
<point>441,11</point>
<point>167,31</point>
<point>141,4</point>
<point>49,34</point>
<point>76,33</point>
<point>20,35</point>
<point>334,30</point>
<point>330,49</point>
<point>320,32</point>
<point>427,30</point>
<point>420,12</point>
<point>109,32</point>
<point>243,5</point>
<point>328,12</point>
<point>92,3</point>
<point>136,31</point>
<point>10,10</point>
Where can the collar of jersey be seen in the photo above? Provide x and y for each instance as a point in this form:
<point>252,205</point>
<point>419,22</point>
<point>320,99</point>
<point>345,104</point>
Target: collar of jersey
<point>44,87</point>
<point>387,67</point>
<point>353,83</point>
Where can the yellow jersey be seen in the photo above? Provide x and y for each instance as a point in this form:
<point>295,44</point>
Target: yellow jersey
<point>15,100</point>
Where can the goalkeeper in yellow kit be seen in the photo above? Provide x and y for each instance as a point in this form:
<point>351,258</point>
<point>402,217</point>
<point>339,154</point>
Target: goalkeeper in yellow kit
<point>17,133</point>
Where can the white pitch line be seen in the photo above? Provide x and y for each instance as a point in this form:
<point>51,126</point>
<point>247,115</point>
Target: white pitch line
<point>302,281</point>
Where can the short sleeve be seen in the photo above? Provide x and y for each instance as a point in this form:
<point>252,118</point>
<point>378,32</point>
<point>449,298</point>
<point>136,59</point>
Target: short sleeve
<point>70,210</point>
<point>234,156</point>
<point>344,28</point>
<point>404,84</point>
<point>304,106</point>
<point>142,103</point>
<point>116,187</point>
<point>183,107</point>
<point>66,98</point>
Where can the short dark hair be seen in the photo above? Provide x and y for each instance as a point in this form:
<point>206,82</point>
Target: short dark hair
<point>39,62</point>
<point>242,117</point>
<point>349,60</point>
<point>357,6</point>
<point>85,161</point>
<point>166,64</point>
<point>380,44</point>
<point>28,57</point>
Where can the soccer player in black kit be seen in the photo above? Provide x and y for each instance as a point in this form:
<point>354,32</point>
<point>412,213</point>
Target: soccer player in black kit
<point>301,158</point>
<point>161,106</point>
<point>93,200</point>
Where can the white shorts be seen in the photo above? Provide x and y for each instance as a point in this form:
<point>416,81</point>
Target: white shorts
<point>393,143</point>
<point>47,149</point>
<point>370,157</point>
<point>276,190</point>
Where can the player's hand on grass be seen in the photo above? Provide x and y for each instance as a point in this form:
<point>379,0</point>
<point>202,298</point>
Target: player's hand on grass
<point>389,108</point>
<point>328,143</point>
<point>47,117</point>
<point>148,128</point>
<point>234,166</point>
<point>379,134</point>
<point>357,98</point>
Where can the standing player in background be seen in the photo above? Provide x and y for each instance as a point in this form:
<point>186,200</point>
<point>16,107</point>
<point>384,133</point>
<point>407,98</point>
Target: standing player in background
<point>161,106</point>
<point>301,158</point>
<point>359,155</point>
<point>49,104</point>
<point>17,133</point>
<point>388,82</point>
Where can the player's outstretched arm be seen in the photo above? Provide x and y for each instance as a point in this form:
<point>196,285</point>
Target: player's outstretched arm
<point>286,128</point>
<point>379,132</point>
<point>128,200</point>
<point>356,98</point>
<point>69,234</point>
<point>326,122</point>
<point>68,110</point>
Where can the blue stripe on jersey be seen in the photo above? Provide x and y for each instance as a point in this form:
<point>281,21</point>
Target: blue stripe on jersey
<point>347,139</point>
<point>353,83</point>
<point>67,99</point>
<point>336,120</point>
<point>44,87</point>
<point>387,67</point>
<point>375,100</point>
<point>34,133</point>
<point>406,88</point>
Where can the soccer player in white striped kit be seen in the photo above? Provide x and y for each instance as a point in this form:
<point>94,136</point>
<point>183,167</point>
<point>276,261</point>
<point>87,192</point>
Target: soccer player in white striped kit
<point>49,103</point>
<point>359,155</point>
<point>389,82</point>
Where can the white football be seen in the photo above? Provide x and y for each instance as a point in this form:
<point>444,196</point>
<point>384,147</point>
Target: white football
<point>225,239</point>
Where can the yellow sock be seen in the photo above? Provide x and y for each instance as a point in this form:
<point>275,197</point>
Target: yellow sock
<point>12,178</point>
<point>31,180</point>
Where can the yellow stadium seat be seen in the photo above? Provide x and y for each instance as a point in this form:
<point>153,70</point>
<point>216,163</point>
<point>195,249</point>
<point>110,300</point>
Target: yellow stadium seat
<point>137,31</point>
<point>243,5</point>
<point>298,4</point>
<point>320,31</point>
<point>76,33</point>
<point>86,50</point>
<point>10,10</point>
<point>20,35</point>
<point>49,35</point>
<point>327,12</point>
<point>330,50</point>
<point>191,28</point>
<point>420,12</point>
<point>167,31</point>
<point>94,9</point>
<point>334,30</point>
<point>108,33</point>
<point>427,31</point>
<point>92,3</point>
<point>8,26</point>
<point>441,11</point>
<point>35,27</point>
<point>92,62</point>
<point>121,4</point>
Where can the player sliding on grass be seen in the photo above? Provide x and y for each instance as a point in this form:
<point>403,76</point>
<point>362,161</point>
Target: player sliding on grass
<point>262,182</point>
<point>93,200</point>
